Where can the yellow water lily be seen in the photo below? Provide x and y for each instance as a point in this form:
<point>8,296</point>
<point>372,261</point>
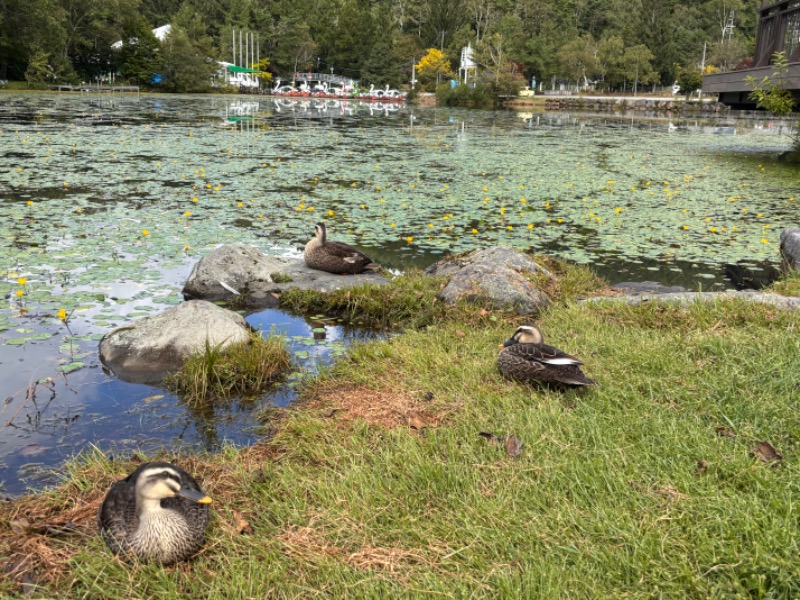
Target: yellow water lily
<point>62,314</point>
<point>145,232</point>
<point>22,280</point>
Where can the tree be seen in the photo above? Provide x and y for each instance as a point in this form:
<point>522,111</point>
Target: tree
<point>188,64</point>
<point>638,62</point>
<point>689,78</point>
<point>434,66</point>
<point>578,59</point>
<point>381,66</point>
<point>38,70</point>
<point>140,55</point>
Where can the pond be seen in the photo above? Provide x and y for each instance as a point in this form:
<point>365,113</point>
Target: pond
<point>107,201</point>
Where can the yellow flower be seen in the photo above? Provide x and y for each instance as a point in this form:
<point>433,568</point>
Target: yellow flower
<point>409,239</point>
<point>20,292</point>
<point>686,227</point>
<point>22,280</point>
<point>611,182</point>
<point>239,204</point>
<point>430,224</point>
<point>19,169</point>
<point>145,232</point>
<point>260,216</point>
<point>30,202</point>
<point>62,314</point>
<point>187,214</point>
<point>391,224</point>
<point>474,230</point>
<point>510,228</point>
<point>330,213</point>
<point>530,225</point>
<point>194,199</point>
<point>618,210</point>
<point>764,241</point>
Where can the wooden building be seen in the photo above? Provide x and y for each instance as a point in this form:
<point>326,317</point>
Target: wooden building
<point>778,31</point>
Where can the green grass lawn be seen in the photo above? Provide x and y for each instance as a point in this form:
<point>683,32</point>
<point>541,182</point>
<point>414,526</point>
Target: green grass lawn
<point>645,486</point>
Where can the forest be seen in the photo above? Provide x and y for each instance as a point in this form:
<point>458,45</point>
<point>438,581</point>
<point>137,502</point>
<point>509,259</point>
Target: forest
<point>603,43</point>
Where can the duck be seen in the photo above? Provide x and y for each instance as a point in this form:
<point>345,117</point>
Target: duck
<point>525,358</point>
<point>335,257</point>
<point>158,513</point>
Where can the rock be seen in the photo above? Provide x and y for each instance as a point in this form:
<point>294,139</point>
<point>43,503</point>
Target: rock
<point>790,248</point>
<point>147,349</point>
<point>686,298</point>
<point>497,276</point>
<point>260,279</point>
<point>634,288</point>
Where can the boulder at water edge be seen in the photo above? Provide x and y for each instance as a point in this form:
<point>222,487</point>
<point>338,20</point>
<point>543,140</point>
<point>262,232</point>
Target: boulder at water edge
<point>496,276</point>
<point>790,248</point>
<point>257,280</point>
<point>147,349</point>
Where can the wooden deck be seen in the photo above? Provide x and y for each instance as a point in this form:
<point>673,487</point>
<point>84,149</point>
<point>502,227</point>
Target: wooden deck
<point>734,91</point>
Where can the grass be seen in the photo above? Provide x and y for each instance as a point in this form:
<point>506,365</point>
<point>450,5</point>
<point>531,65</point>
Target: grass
<point>788,285</point>
<point>238,370</point>
<point>410,301</point>
<point>379,485</point>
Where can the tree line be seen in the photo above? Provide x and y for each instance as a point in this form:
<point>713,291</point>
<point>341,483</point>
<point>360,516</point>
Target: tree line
<point>609,44</point>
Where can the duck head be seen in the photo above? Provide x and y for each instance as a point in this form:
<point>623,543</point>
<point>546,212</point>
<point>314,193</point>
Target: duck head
<point>157,483</point>
<point>525,334</point>
<point>321,233</point>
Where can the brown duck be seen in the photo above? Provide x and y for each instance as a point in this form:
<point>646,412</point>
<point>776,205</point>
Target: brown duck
<point>525,358</point>
<point>158,513</point>
<point>335,257</point>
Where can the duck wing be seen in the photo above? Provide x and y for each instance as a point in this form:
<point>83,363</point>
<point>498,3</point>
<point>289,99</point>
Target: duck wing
<point>117,516</point>
<point>542,353</point>
<point>346,252</point>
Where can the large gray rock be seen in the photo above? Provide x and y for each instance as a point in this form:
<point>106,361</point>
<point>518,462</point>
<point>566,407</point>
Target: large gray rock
<point>260,279</point>
<point>790,248</point>
<point>496,276</point>
<point>688,298</point>
<point>147,349</point>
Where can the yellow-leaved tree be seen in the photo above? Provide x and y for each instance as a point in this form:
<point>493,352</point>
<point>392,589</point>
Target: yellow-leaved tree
<point>434,66</point>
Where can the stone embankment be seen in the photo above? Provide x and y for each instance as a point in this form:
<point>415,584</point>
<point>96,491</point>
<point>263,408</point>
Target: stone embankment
<point>659,105</point>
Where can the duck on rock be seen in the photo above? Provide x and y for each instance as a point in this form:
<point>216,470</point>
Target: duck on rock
<point>156,514</point>
<point>525,358</point>
<point>335,257</point>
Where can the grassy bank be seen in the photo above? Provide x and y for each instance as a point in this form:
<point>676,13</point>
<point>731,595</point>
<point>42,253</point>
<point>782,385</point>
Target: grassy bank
<point>652,484</point>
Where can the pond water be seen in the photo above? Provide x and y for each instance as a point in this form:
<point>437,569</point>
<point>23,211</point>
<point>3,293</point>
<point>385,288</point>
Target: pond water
<point>107,201</point>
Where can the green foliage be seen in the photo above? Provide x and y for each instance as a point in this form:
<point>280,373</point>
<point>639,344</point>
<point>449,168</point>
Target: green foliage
<point>690,78</point>
<point>37,71</point>
<point>238,370</point>
<point>771,93</point>
<point>140,55</point>
<point>187,55</point>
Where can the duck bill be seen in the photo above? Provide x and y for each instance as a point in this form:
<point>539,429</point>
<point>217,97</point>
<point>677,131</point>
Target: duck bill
<point>507,343</point>
<point>194,495</point>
